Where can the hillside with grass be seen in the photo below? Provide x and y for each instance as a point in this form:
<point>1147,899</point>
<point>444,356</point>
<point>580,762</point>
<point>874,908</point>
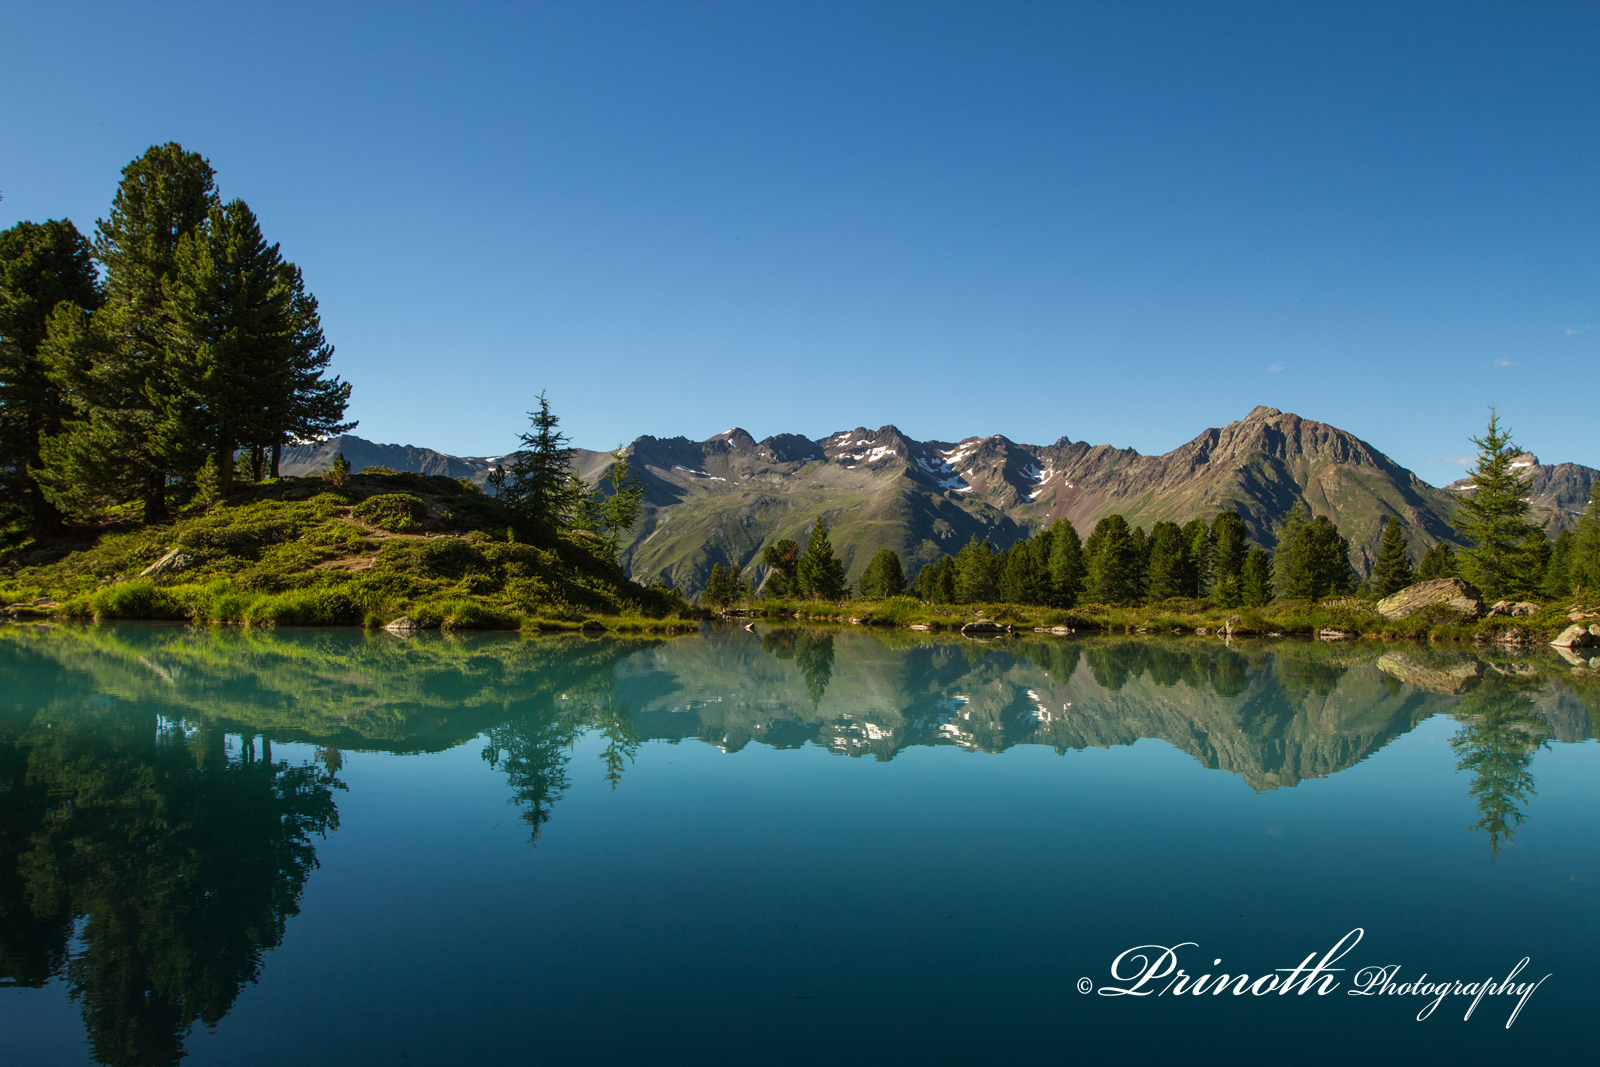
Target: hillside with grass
<point>300,551</point>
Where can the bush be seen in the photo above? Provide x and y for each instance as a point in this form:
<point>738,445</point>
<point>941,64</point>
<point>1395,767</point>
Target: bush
<point>463,614</point>
<point>395,512</point>
<point>137,599</point>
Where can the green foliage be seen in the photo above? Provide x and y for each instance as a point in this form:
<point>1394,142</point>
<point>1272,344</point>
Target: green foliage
<point>1170,572</point>
<point>537,487</point>
<point>395,512</point>
<point>1067,572</point>
<point>617,511</point>
<point>819,573</point>
<point>975,573</point>
<point>1113,561</point>
<point>1230,541</point>
<point>725,586</point>
<point>1492,517</point>
<point>782,558</point>
<point>1584,569</point>
<point>884,576</point>
<point>1438,562</point>
<point>338,475</point>
<point>1312,560</point>
<point>140,598</point>
<point>936,582</point>
<point>1558,573</point>
<point>1392,572</point>
<point>42,265</point>
<point>1255,578</point>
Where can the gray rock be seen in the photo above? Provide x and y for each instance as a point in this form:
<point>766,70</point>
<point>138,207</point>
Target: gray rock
<point>1452,594</point>
<point>1575,636</point>
<point>1522,609</point>
<point>405,624</point>
<point>984,626</point>
<point>173,562</point>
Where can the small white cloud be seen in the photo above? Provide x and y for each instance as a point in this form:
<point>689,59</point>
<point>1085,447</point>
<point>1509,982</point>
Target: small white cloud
<point>1460,461</point>
<point>1275,368</point>
<point>1506,363</point>
<point>1572,330</point>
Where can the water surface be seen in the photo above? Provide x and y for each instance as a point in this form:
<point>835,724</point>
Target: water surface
<point>780,845</point>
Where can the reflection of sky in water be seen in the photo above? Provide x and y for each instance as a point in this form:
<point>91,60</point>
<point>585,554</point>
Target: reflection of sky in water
<point>643,851</point>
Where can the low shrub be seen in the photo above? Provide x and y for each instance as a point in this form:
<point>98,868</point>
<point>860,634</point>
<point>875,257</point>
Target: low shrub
<point>395,512</point>
<point>464,614</point>
<point>140,598</point>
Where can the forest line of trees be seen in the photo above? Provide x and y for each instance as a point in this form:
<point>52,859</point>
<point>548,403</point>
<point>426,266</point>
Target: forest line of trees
<point>1120,565</point>
<point>138,365</point>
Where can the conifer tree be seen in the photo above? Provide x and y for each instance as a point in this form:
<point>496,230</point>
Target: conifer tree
<point>1314,561</point>
<point>1168,572</point>
<point>41,265</point>
<point>819,573</point>
<point>1231,541</point>
<point>1584,570</point>
<point>975,573</point>
<point>1066,564</point>
<point>1141,563</point>
<point>1533,563</point>
<point>782,558</point>
<point>113,367</point>
<point>537,486</point>
<point>884,576</point>
<point>226,324</point>
<point>1255,579</point>
<point>936,582</point>
<point>1492,517</point>
<point>1393,570</point>
<point>1438,562</point>
<point>617,511</point>
<point>1198,579</point>
<point>1018,574</point>
<point>1558,575</point>
<point>1112,563</point>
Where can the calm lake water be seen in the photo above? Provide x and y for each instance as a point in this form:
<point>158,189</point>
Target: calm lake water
<point>785,845</point>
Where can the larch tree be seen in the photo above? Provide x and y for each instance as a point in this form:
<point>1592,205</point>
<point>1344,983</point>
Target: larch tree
<point>1230,544</point>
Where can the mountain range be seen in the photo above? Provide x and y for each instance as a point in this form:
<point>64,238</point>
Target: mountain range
<point>724,499</point>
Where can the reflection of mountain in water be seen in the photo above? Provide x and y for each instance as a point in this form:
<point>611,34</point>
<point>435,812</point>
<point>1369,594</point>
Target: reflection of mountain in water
<point>1273,714</point>
<point>151,848</point>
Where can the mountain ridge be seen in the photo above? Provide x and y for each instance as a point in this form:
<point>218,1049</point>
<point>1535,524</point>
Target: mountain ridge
<point>722,500</point>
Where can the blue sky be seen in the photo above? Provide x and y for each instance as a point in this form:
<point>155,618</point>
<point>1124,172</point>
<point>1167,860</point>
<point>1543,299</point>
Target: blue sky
<point>1120,223</point>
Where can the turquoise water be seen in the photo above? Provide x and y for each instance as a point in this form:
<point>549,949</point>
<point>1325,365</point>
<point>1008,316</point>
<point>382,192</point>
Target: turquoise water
<point>782,845</point>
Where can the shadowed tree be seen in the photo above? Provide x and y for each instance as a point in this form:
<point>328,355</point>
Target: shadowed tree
<point>42,265</point>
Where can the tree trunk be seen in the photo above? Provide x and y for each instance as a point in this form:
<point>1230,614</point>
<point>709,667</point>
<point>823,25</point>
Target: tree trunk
<point>155,498</point>
<point>277,454</point>
<point>225,469</point>
<point>258,458</point>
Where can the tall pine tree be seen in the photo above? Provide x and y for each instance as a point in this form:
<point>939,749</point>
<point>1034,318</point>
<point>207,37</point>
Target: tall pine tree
<point>884,577</point>
<point>1066,564</point>
<point>1231,543</point>
<point>113,367</point>
<point>538,485</point>
<point>1492,517</point>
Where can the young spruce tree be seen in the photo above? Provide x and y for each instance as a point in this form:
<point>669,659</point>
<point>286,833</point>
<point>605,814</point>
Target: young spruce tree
<point>1492,517</point>
<point>1392,572</point>
<point>819,573</point>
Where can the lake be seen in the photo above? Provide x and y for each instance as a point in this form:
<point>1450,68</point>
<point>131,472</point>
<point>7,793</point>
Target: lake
<point>790,845</point>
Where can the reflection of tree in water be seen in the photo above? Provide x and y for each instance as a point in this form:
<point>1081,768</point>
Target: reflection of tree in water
<point>1497,741</point>
<point>1114,665</point>
<point>171,862</point>
<point>812,653</point>
<point>532,749</point>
